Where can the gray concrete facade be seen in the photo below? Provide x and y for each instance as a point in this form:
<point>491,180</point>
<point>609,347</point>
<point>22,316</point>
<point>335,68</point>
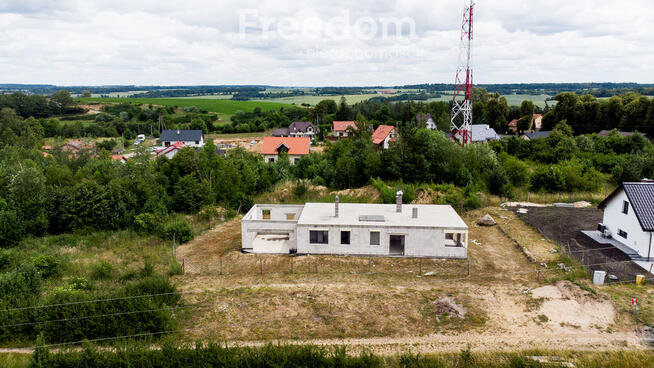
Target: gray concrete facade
<point>358,229</point>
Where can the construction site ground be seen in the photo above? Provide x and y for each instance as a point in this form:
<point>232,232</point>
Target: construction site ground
<point>386,305</point>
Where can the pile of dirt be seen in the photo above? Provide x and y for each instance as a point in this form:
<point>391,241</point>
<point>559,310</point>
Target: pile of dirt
<point>565,303</point>
<point>447,305</point>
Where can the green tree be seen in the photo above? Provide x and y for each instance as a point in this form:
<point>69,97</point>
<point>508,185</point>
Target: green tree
<point>60,100</point>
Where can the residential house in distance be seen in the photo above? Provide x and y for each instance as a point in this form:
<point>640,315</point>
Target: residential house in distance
<point>536,124</point>
<point>297,129</point>
<point>171,150</point>
<point>606,133</point>
<point>356,229</point>
<point>628,221</point>
<point>121,158</point>
<point>483,133</point>
<point>535,135</point>
<point>427,121</point>
<point>340,128</point>
<point>191,138</point>
<point>383,135</point>
<point>296,147</point>
<point>76,146</point>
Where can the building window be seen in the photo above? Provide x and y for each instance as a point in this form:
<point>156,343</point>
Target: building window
<point>318,236</point>
<point>197,142</point>
<point>271,160</point>
<point>290,216</point>
<point>345,237</point>
<point>374,238</point>
<point>625,207</point>
<point>622,233</point>
<point>265,214</point>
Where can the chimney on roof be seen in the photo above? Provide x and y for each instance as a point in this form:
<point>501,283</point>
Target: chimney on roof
<point>398,201</point>
<point>177,131</point>
<point>336,206</point>
<point>415,212</point>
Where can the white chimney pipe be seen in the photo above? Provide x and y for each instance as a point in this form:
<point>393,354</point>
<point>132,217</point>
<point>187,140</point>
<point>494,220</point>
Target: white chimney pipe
<point>398,201</point>
<point>415,212</point>
<point>336,206</point>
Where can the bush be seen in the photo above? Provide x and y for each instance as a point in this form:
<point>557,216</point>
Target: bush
<point>102,271</point>
<point>517,171</point>
<point>48,266</point>
<point>549,178</point>
<point>11,228</point>
<point>179,230</point>
<point>300,190</point>
<point>147,224</point>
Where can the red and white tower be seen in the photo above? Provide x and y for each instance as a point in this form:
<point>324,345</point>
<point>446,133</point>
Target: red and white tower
<point>461,115</point>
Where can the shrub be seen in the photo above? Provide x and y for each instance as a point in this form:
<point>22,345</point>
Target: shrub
<point>517,171</point>
<point>102,271</point>
<point>318,180</point>
<point>549,178</point>
<point>147,223</point>
<point>180,230</point>
<point>47,265</point>
<point>11,228</point>
<point>300,190</point>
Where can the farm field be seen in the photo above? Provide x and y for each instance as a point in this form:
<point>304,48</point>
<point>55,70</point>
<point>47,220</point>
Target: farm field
<point>512,100</point>
<point>511,303</point>
<point>224,108</point>
<point>313,100</point>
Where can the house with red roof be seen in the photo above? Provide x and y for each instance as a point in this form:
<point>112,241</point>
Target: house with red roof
<point>296,147</point>
<point>171,150</point>
<point>340,128</point>
<point>383,135</point>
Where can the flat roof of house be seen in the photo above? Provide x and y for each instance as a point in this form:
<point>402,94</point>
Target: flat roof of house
<point>354,214</point>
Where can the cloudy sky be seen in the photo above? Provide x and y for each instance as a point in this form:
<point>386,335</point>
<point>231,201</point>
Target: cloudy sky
<point>317,43</point>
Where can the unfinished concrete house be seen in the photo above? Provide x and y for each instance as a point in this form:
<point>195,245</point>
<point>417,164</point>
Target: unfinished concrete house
<point>400,230</point>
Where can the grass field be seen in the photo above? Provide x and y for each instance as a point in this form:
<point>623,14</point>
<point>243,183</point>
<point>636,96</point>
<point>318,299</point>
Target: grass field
<point>313,100</point>
<point>512,100</point>
<point>224,108</point>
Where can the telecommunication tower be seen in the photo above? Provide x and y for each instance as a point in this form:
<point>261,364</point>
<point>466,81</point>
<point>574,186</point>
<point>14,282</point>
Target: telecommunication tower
<point>461,115</point>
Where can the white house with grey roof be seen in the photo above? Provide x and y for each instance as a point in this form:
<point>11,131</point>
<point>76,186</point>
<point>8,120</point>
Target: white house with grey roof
<point>403,230</point>
<point>628,221</point>
<point>190,138</point>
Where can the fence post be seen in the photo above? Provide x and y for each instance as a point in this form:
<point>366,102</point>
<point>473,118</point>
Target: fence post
<point>369,265</point>
<point>183,266</point>
<point>261,265</point>
<point>420,265</point>
<point>291,264</point>
<point>221,265</point>
<point>174,247</point>
<point>316,265</point>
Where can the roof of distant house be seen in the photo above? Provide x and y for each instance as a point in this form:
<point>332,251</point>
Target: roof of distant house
<point>641,197</point>
<point>181,135</point>
<point>483,133</point>
<point>172,147</point>
<point>119,157</point>
<point>295,145</point>
<point>341,126</point>
<point>381,133</point>
<point>301,126</point>
<point>514,123</point>
<point>606,133</point>
<point>280,132</point>
<point>536,135</point>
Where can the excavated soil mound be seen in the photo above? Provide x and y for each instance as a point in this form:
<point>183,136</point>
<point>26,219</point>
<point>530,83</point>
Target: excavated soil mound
<point>448,305</point>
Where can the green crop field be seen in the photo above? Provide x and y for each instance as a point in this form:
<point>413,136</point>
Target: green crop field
<point>512,100</point>
<point>313,99</point>
<point>224,108</point>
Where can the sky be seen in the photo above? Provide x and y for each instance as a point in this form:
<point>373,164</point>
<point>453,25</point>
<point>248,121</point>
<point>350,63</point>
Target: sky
<point>322,43</point>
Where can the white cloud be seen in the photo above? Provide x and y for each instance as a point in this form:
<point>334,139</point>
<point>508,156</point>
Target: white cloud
<point>198,42</point>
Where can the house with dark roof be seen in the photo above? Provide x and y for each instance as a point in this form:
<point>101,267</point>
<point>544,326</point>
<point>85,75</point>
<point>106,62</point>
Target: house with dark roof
<point>535,135</point>
<point>341,128</point>
<point>629,220</point>
<point>297,129</point>
<point>383,135</point>
<point>191,138</point>
<point>296,147</point>
<point>606,133</point>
